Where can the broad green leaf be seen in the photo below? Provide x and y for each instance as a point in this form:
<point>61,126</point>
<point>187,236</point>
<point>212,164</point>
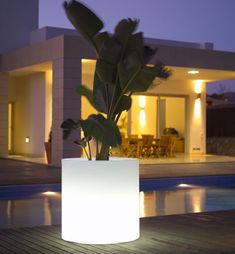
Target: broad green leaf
<point>100,39</point>
<point>69,126</point>
<point>142,80</point>
<point>124,104</point>
<point>106,71</point>
<point>86,92</point>
<point>124,29</point>
<point>111,51</point>
<point>135,44</point>
<point>83,19</point>
<point>102,95</point>
<point>82,143</point>
<point>103,130</point>
<point>148,53</point>
<point>127,70</point>
<point>161,71</point>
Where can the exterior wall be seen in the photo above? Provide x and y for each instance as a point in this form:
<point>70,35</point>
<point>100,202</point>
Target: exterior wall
<point>66,104</point>
<point>221,146</point>
<point>4,82</point>
<point>17,19</point>
<point>66,53</point>
<point>29,115</point>
<point>48,103</point>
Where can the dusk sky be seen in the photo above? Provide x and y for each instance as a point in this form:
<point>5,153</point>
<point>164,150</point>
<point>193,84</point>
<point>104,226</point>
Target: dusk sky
<point>182,20</point>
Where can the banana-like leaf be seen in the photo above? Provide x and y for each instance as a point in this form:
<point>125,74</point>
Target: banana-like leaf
<point>102,129</point>
<point>83,19</point>
<point>127,70</point>
<point>86,92</point>
<point>100,39</point>
<point>124,29</point>
<point>69,126</point>
<point>142,80</point>
<point>149,53</point>
<point>136,44</point>
<point>124,104</point>
<point>106,71</point>
<point>102,94</point>
<point>111,50</point>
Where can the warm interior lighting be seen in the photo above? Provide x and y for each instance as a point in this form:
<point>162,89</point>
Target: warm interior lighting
<point>49,193</point>
<point>84,60</point>
<point>98,205</point>
<point>185,185</point>
<point>198,86</point>
<point>27,139</point>
<point>9,126</point>
<point>193,72</point>
<point>197,109</point>
<point>142,102</point>
<point>142,118</point>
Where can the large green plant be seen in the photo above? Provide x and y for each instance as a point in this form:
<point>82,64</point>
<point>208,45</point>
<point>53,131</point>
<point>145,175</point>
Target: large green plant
<point>121,69</point>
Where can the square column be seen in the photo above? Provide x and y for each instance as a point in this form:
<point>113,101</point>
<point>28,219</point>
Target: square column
<point>4,82</point>
<point>66,103</point>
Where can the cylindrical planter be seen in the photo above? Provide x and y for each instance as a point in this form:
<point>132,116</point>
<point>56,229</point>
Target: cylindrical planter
<point>100,200</point>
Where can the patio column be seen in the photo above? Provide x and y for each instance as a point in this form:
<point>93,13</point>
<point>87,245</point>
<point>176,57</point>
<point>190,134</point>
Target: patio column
<point>4,82</point>
<point>66,103</point>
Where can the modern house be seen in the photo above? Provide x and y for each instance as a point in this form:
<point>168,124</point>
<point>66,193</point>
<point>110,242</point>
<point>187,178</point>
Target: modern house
<point>40,69</point>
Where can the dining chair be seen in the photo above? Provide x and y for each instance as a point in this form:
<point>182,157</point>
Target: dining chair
<point>146,146</point>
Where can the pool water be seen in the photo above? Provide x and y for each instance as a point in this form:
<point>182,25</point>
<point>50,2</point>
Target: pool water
<point>24,206</point>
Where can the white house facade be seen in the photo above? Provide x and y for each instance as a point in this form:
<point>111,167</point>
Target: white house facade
<point>39,75</point>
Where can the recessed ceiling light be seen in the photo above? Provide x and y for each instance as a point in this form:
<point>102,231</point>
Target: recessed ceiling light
<point>193,72</point>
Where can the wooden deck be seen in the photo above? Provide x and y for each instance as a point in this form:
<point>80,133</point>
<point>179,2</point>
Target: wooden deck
<point>205,233</point>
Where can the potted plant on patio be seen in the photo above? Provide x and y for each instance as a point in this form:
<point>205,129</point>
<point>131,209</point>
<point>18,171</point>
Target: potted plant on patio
<point>106,190</point>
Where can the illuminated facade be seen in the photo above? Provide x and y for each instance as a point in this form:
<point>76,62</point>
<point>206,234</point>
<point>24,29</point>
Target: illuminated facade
<point>38,81</point>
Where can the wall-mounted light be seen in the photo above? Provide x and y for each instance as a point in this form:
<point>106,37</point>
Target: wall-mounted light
<point>142,102</point>
<point>27,139</point>
<point>193,72</point>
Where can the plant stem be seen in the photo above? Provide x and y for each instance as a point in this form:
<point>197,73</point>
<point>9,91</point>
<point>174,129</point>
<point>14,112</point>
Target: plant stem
<point>104,152</point>
<point>86,154</point>
<point>97,149</point>
<point>89,149</point>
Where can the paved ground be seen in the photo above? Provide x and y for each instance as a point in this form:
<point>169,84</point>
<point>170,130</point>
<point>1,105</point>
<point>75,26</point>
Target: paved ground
<point>202,233</point>
<point>21,172</point>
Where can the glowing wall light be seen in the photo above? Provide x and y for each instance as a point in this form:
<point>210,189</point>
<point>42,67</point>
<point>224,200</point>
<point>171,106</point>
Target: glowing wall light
<point>197,103</point>
<point>100,200</point>
<point>197,109</point>
<point>27,139</point>
<point>198,86</point>
<point>142,102</point>
<point>193,72</point>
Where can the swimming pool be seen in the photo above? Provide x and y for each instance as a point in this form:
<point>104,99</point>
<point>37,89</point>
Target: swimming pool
<point>23,206</point>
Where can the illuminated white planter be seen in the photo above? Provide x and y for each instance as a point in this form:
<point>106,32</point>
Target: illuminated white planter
<point>100,200</point>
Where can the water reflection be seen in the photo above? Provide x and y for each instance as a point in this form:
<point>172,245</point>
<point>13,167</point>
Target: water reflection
<point>39,210</point>
<point>45,208</point>
<point>155,203</point>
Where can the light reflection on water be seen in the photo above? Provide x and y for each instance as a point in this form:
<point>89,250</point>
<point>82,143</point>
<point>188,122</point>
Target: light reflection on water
<point>45,208</point>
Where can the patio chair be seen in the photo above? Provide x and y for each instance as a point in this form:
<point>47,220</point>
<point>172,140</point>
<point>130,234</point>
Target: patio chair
<point>146,145</point>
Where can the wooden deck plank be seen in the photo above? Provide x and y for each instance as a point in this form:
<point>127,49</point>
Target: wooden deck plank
<point>205,233</point>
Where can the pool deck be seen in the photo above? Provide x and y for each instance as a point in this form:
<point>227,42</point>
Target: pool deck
<point>204,233</point>
<point>14,172</point>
